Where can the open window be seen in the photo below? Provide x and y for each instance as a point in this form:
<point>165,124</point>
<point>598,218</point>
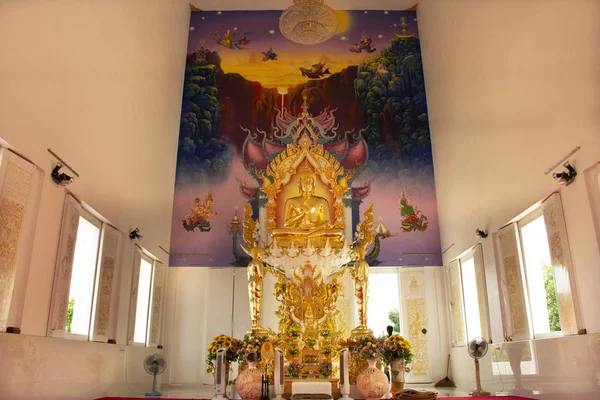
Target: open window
<point>82,306</point>
<point>468,297</point>
<point>539,297</point>
<point>146,300</point>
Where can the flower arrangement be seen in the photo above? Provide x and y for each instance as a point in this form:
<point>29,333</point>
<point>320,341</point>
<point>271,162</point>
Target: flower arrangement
<point>325,369</point>
<point>294,368</point>
<point>369,347</point>
<point>327,348</point>
<point>251,346</point>
<point>396,347</point>
<point>222,342</point>
<point>294,330</point>
<point>310,341</point>
<point>293,350</point>
<point>325,332</point>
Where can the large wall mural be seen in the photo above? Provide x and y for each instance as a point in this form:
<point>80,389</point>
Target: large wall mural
<point>362,93</point>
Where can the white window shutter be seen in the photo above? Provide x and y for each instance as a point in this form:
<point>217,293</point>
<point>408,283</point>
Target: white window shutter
<point>158,295</point>
<point>16,181</point>
<point>511,284</point>
<point>106,278</point>
<point>481,292</point>
<point>64,267</point>
<point>135,281</point>
<point>560,255</point>
<point>456,304</point>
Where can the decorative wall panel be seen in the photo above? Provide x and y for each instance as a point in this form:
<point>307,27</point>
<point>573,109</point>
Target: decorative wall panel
<point>110,245</point>
<point>560,255</point>
<point>15,184</point>
<point>64,267</point>
<point>414,293</point>
<point>481,291</point>
<point>135,281</point>
<point>511,285</point>
<point>456,304</point>
<point>158,293</point>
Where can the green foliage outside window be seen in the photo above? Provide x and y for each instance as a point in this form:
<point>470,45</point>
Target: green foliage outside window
<point>394,316</point>
<point>551,301</point>
<point>70,314</point>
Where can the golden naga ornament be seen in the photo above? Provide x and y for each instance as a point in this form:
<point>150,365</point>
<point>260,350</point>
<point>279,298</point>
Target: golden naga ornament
<point>360,272</point>
<point>256,268</point>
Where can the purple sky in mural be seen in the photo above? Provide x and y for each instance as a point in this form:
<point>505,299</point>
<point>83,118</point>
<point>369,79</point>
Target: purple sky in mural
<point>263,29</point>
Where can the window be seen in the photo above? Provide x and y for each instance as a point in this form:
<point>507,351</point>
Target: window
<point>539,298</point>
<point>384,301</point>
<point>83,276</point>
<point>471,299</point>
<point>86,261</point>
<point>468,297</point>
<point>143,302</point>
<point>147,293</point>
<point>539,276</point>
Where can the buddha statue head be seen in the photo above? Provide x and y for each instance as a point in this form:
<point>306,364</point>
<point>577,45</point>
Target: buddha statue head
<point>307,181</point>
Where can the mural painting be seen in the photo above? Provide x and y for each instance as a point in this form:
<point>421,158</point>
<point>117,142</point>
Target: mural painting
<point>362,93</point>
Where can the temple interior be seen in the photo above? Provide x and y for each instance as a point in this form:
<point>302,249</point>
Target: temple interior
<point>175,179</point>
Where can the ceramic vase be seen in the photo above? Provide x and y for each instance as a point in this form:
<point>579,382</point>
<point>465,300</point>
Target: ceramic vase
<point>372,382</point>
<point>397,374</point>
<point>249,382</point>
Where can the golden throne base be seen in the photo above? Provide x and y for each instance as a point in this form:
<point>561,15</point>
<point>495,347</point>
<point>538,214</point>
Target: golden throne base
<point>335,387</point>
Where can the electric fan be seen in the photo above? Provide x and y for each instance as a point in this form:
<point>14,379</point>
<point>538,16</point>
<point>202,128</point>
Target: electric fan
<point>478,348</point>
<point>154,364</point>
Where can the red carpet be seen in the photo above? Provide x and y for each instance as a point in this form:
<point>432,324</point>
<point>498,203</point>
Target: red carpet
<point>446,398</point>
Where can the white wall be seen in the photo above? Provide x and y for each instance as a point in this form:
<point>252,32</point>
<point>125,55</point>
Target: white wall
<point>511,89</point>
<point>100,84</point>
<point>202,303</point>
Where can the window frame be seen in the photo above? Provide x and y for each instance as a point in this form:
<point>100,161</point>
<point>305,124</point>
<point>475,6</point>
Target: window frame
<point>89,217</point>
<point>461,261</point>
<point>472,253</point>
<point>399,279</point>
<point>139,255</point>
<point>531,216</point>
<point>560,256</point>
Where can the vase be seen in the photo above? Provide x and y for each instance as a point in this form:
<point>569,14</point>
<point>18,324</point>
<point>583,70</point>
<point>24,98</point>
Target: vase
<point>397,374</point>
<point>249,382</point>
<point>372,382</point>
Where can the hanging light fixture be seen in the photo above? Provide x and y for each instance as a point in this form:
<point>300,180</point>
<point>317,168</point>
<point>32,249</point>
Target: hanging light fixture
<point>308,22</point>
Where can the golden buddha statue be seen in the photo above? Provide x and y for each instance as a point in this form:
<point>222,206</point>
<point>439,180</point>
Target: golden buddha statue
<point>307,216</point>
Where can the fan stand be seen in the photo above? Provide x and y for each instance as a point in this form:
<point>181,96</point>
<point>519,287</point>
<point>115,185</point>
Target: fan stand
<point>154,392</point>
<point>478,391</point>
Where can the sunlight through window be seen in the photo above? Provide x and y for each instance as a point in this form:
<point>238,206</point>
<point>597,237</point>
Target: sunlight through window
<point>384,302</point>
<point>540,278</point>
<point>471,299</point>
<point>143,300</point>
<point>82,278</point>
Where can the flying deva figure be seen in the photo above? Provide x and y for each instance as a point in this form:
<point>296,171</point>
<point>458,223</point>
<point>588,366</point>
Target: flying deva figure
<point>228,40</point>
<point>363,45</point>
<point>269,55</point>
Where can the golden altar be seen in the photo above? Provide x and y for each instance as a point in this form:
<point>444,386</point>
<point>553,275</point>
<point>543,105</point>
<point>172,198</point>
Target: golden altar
<point>334,382</point>
<point>305,241</point>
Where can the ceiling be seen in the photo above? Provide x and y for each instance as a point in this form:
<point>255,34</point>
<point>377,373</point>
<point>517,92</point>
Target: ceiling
<point>283,4</point>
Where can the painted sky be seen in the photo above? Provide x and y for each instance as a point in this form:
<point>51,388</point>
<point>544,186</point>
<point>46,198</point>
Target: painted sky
<point>263,31</point>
